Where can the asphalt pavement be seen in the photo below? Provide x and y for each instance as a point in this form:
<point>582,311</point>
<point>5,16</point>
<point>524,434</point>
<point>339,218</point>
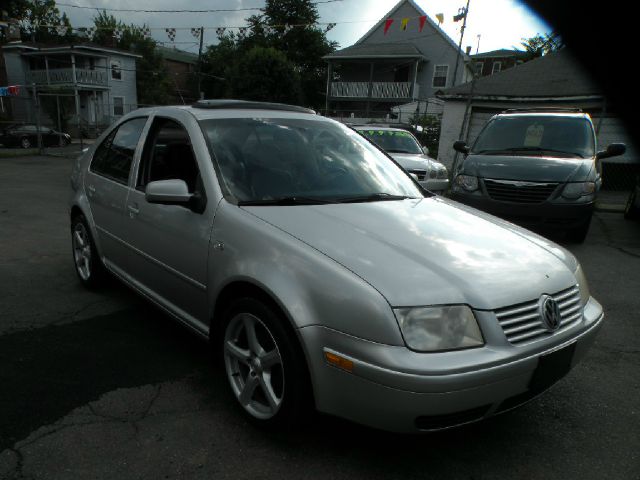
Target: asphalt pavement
<point>103,385</point>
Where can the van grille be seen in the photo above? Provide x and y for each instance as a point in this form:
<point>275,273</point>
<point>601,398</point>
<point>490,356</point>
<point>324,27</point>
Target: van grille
<point>522,323</point>
<point>518,192</point>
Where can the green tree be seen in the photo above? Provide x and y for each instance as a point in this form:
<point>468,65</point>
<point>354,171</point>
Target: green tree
<point>153,82</point>
<point>264,74</point>
<point>39,19</point>
<point>540,45</point>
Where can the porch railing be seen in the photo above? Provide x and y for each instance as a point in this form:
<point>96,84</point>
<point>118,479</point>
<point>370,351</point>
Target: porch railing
<point>64,76</point>
<point>378,90</point>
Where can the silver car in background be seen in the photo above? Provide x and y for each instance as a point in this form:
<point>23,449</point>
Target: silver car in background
<point>405,149</point>
<point>322,273</point>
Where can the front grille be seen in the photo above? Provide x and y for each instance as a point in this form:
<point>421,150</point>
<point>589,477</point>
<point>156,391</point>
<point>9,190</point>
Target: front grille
<point>519,192</point>
<point>421,174</point>
<point>522,323</point>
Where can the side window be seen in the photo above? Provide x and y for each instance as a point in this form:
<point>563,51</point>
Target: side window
<point>114,156</point>
<point>168,155</point>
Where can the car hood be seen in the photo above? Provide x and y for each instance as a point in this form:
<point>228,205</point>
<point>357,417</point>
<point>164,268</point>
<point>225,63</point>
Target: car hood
<point>530,168</point>
<point>429,251</point>
<point>415,161</point>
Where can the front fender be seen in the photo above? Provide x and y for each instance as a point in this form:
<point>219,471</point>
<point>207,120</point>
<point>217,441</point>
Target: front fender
<point>311,288</point>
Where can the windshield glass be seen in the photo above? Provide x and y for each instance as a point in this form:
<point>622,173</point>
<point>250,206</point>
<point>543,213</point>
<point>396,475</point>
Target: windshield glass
<point>266,159</point>
<point>537,135</point>
<point>393,141</point>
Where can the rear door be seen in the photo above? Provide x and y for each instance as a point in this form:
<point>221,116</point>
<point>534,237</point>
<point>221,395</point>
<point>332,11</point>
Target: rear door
<point>106,186</point>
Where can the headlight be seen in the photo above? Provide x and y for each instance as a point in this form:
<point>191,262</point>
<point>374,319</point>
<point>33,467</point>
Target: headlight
<point>468,182</point>
<point>430,329</point>
<point>579,189</point>
<point>583,285</point>
<point>442,173</point>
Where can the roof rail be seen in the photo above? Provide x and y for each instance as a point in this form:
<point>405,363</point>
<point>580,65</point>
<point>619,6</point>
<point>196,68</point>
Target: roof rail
<point>544,109</point>
<point>249,105</point>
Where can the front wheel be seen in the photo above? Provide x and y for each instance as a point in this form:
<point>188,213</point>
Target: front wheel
<point>25,142</point>
<point>264,365</point>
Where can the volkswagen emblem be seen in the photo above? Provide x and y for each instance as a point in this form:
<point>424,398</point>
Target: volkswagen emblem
<point>549,312</point>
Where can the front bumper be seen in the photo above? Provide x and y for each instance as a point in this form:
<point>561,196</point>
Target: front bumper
<point>546,214</point>
<point>395,389</point>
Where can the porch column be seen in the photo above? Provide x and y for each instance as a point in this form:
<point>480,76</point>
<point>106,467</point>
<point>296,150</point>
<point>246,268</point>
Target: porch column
<point>370,89</point>
<point>415,80</point>
<point>329,78</point>
<point>46,69</point>
<point>76,96</point>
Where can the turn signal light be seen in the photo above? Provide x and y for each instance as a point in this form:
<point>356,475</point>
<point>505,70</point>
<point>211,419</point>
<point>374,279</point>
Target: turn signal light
<point>338,361</point>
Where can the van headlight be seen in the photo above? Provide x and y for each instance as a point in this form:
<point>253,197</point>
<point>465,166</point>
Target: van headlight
<point>582,285</point>
<point>432,329</point>
<point>576,190</point>
<point>467,182</point>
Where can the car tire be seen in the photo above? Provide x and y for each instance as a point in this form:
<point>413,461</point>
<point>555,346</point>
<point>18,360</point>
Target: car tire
<point>578,234</point>
<point>86,259</point>
<point>264,365</point>
<point>25,142</point>
<point>631,212</point>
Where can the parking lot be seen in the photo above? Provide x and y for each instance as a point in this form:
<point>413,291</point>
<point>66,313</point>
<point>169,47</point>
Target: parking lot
<point>103,385</point>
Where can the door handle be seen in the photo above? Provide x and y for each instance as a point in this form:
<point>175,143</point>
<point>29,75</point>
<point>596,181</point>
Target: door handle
<point>133,210</point>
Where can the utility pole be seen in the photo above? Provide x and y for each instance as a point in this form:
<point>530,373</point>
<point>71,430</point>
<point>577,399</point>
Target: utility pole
<point>460,56</point>
<point>36,104</point>
<point>200,92</point>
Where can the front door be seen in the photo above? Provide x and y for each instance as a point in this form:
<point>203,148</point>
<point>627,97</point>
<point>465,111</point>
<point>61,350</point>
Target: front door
<point>170,243</point>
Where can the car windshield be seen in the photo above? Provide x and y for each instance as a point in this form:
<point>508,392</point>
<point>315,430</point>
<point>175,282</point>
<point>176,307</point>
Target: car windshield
<point>286,161</point>
<point>549,135</point>
<point>393,141</point>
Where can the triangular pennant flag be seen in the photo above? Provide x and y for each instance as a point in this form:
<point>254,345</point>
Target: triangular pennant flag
<point>91,31</point>
<point>329,27</point>
<point>171,33</point>
<point>387,24</point>
<point>423,19</point>
<point>117,33</point>
<point>195,32</point>
<point>61,30</point>
<point>440,17</point>
<point>242,31</point>
<point>146,32</point>
<point>220,31</point>
<point>404,23</point>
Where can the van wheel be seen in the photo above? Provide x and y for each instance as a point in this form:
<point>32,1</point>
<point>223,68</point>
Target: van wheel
<point>578,234</point>
<point>264,365</point>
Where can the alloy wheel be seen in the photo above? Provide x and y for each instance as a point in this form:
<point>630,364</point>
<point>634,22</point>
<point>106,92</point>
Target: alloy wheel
<point>25,143</point>
<point>254,366</point>
<point>82,251</point>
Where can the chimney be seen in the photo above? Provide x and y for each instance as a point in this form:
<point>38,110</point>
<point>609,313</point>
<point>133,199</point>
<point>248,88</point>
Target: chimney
<point>468,49</point>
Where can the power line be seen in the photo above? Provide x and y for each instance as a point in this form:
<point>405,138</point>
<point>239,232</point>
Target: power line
<point>208,10</point>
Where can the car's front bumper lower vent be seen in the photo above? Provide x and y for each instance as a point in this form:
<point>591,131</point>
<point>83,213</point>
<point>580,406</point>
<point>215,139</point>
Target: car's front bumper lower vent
<point>522,323</point>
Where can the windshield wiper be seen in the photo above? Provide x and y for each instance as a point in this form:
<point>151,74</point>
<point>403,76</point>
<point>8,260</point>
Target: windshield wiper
<point>528,149</point>
<point>284,201</point>
<point>373,197</point>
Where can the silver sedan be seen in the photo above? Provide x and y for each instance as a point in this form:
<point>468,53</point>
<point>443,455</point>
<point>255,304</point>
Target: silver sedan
<point>321,272</point>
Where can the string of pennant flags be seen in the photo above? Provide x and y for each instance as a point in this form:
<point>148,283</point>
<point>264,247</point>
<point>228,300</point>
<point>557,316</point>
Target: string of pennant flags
<point>405,24</point>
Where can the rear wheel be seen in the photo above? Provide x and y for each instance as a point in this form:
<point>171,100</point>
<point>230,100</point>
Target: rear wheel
<point>25,142</point>
<point>264,365</point>
<point>631,211</point>
<point>88,265</point>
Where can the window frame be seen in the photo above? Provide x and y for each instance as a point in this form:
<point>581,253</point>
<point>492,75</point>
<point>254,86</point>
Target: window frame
<point>113,105</point>
<point>112,134</point>
<point>446,76</point>
<point>118,68</point>
<point>498,64</point>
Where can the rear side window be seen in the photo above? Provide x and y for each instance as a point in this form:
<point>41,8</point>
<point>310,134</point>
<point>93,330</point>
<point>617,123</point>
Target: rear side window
<point>114,156</point>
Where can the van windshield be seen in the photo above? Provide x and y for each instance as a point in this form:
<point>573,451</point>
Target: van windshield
<point>543,135</point>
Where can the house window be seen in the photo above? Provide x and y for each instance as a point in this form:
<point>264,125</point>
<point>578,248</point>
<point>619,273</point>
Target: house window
<point>118,106</point>
<point>440,73</point>
<point>116,70</point>
<point>479,66</point>
<point>497,66</point>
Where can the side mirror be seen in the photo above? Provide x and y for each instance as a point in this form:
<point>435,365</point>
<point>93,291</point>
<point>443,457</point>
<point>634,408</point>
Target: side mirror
<point>425,150</point>
<point>168,192</point>
<point>461,146</point>
<point>613,150</point>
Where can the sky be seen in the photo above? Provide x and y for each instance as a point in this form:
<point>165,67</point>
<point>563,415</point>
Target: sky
<point>500,23</point>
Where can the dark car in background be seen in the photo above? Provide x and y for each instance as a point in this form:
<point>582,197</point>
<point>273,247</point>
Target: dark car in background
<point>539,169</point>
<point>26,136</point>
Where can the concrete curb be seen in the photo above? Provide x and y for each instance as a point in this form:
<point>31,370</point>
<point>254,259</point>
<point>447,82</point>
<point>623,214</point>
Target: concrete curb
<point>609,207</point>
